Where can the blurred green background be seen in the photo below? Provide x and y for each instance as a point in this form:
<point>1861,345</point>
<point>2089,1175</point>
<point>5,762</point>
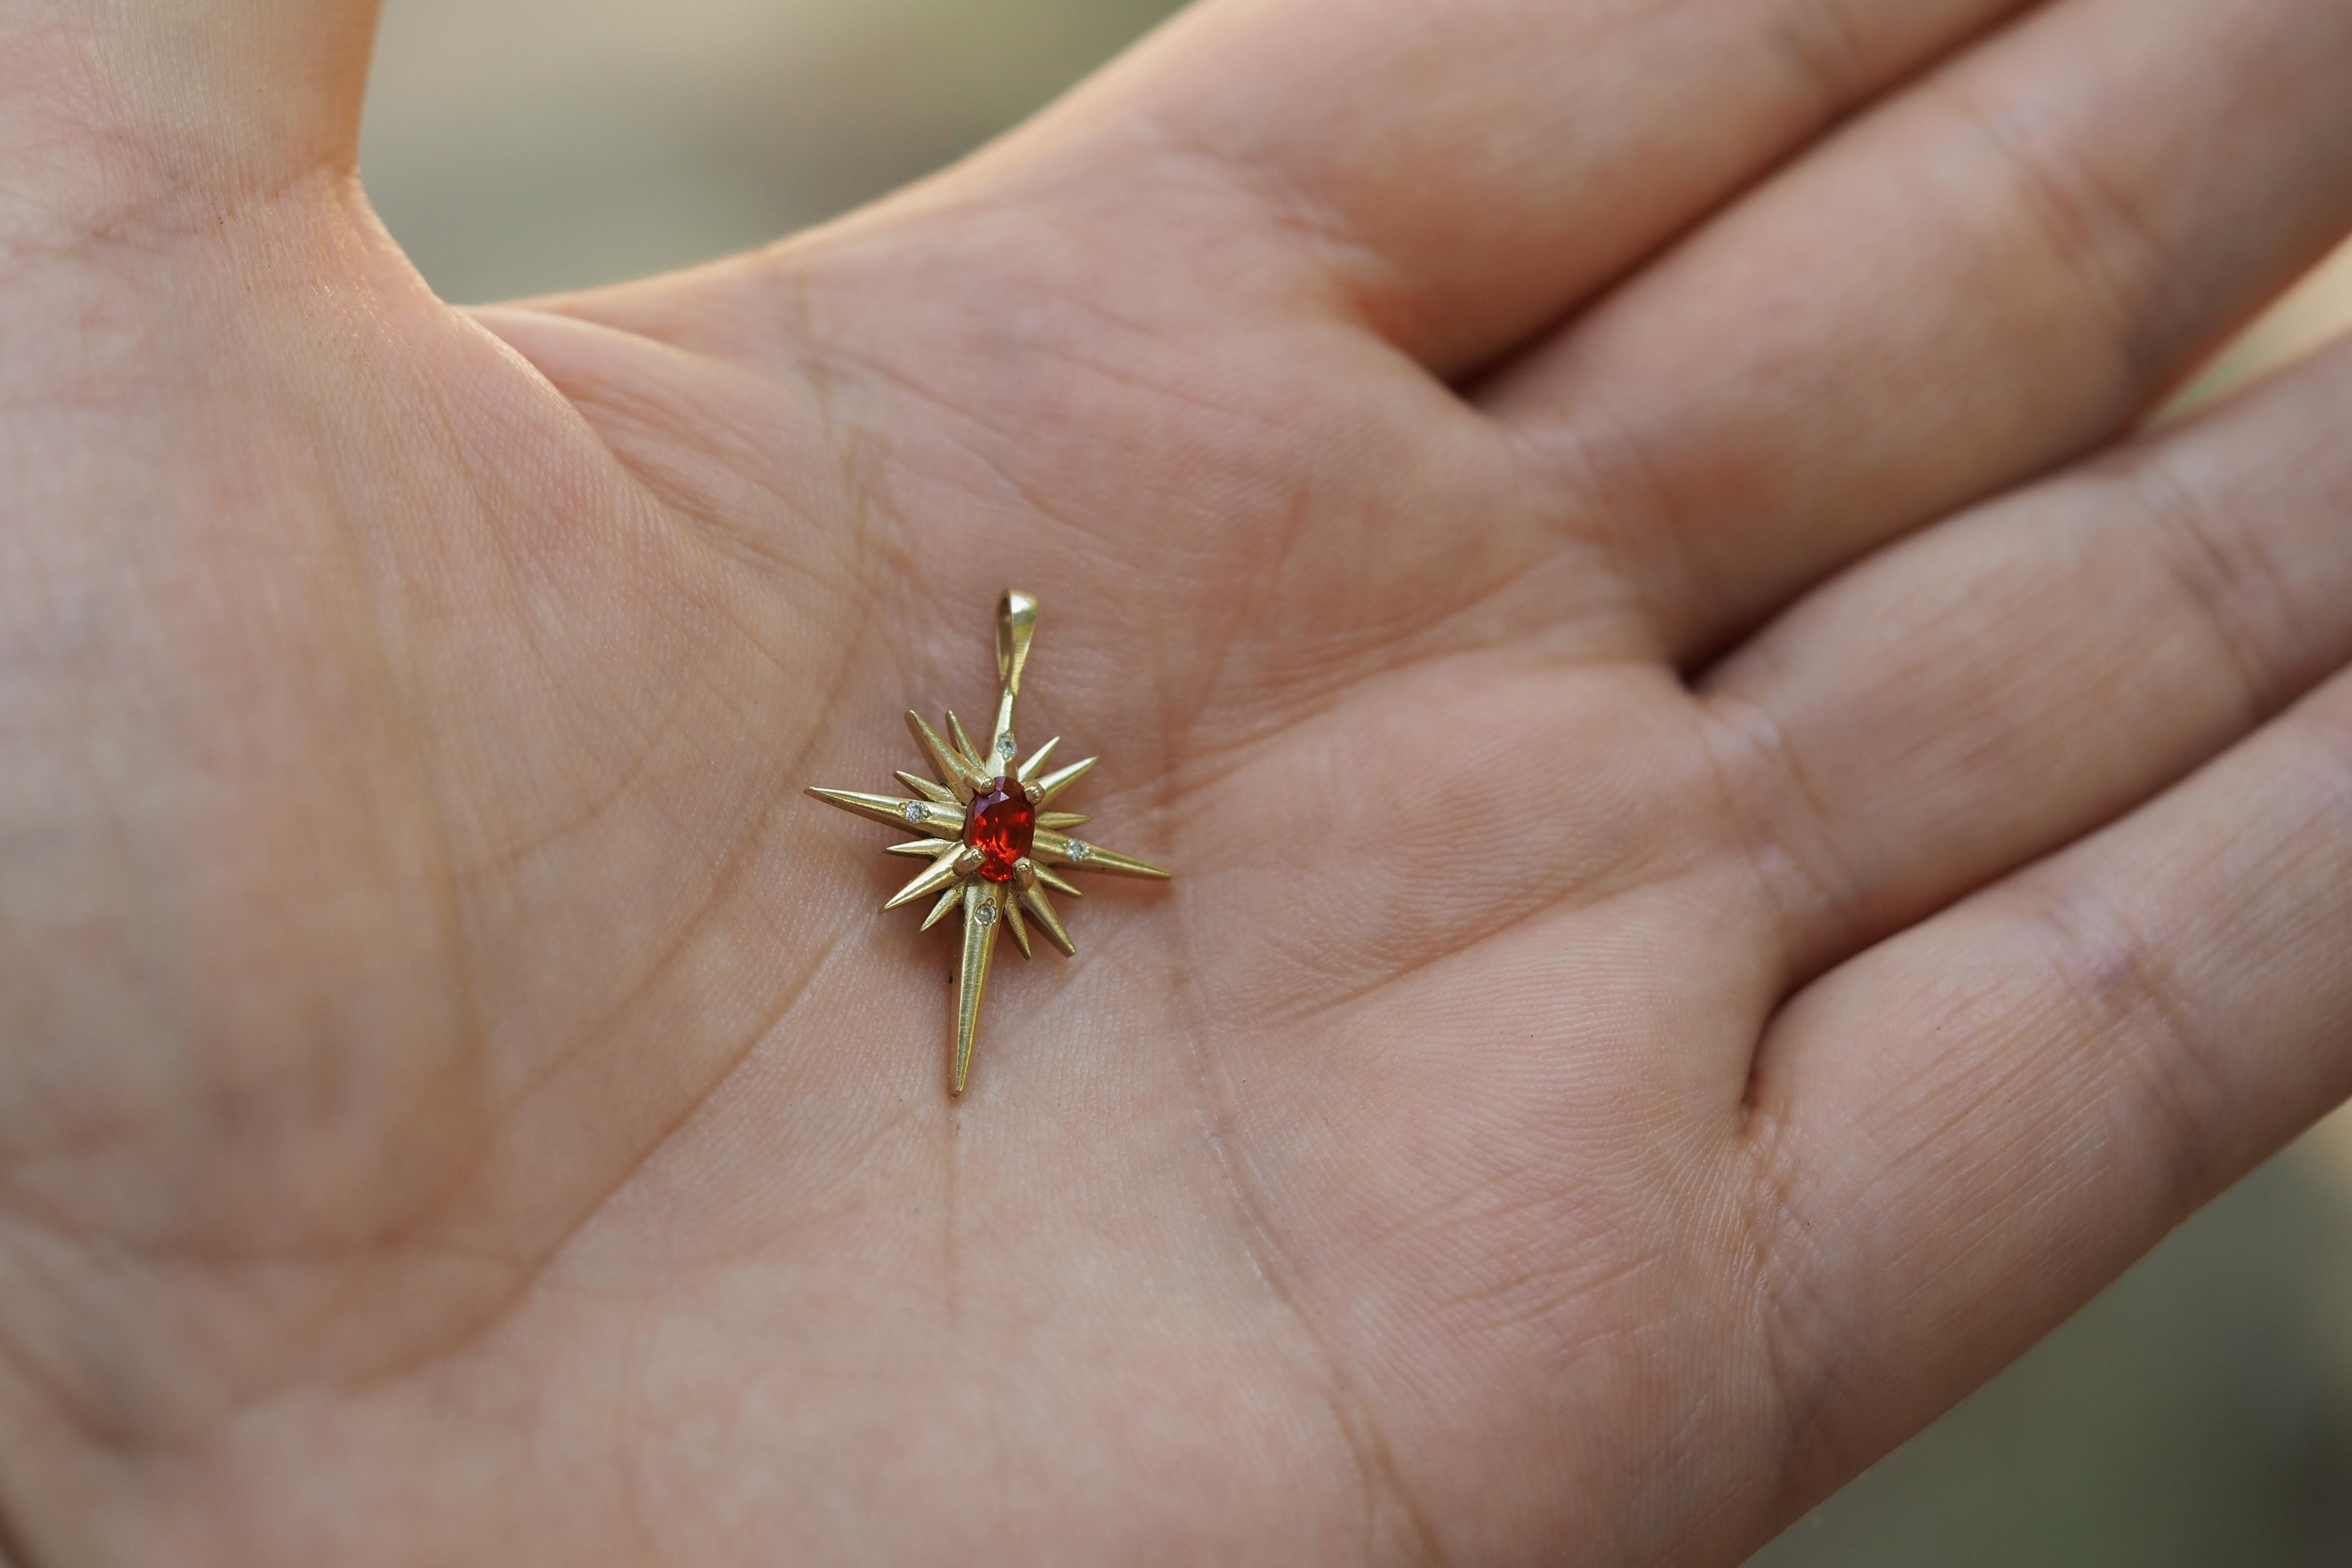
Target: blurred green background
<point>2198,1414</point>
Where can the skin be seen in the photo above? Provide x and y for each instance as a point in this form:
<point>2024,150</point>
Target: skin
<point>1746,838</point>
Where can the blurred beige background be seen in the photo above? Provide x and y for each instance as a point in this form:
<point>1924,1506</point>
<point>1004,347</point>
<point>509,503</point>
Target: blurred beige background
<point>517,146</point>
<point>2199,1414</point>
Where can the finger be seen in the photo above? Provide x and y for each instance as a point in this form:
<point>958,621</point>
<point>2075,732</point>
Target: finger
<point>152,106</point>
<point>1997,271</point>
<point>1995,688</point>
<point>1461,174</point>
<point>1971,1128</point>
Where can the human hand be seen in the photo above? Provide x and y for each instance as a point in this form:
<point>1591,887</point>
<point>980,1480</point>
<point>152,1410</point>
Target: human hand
<point>1738,854</point>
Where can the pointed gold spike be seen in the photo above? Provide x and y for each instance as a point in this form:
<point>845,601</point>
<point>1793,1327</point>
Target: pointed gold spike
<point>963,743</point>
<point>1041,907</point>
<point>972,975</point>
<point>952,898</point>
<point>929,880</point>
<point>944,762</point>
<point>939,795</point>
<point>932,847</point>
<point>890,809</point>
<point>1001,747</point>
<point>1059,883</point>
<point>1041,792</point>
<point>1098,859</point>
<point>1055,821</point>
<point>1028,773</point>
<point>1055,850</point>
<point>939,821</point>
<point>1016,925</point>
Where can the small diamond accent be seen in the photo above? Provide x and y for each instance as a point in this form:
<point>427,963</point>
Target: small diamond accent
<point>985,915</point>
<point>1079,851</point>
<point>1005,747</point>
<point>916,812</point>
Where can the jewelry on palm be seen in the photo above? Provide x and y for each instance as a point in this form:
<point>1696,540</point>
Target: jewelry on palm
<point>983,825</point>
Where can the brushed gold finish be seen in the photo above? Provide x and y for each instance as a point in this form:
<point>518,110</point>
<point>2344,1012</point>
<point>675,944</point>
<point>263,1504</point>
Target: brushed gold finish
<point>1016,628</point>
<point>892,809</point>
<point>964,743</point>
<point>929,880</point>
<point>944,763</point>
<point>980,924</point>
<point>943,795</point>
<point>1040,906</point>
<point>1117,864</point>
<point>1058,850</point>
<point>1042,793</point>
<point>1013,924</point>
<point>935,814</point>
<point>1028,773</point>
<point>1001,747</point>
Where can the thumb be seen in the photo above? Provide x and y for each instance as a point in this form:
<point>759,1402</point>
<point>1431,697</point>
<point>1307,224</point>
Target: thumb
<point>209,100</point>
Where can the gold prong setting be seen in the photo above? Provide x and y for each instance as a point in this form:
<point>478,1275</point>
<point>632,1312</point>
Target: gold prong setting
<point>983,808</point>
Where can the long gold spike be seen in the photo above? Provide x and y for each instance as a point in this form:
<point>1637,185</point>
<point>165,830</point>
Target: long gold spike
<point>944,763</point>
<point>972,975</point>
<point>948,900</point>
<point>963,743</point>
<point>1059,883</point>
<point>1001,747</point>
<point>922,787</point>
<point>929,881</point>
<point>1056,849</point>
<point>937,820</point>
<point>1055,821</point>
<point>930,847</point>
<point>1101,860</point>
<point>1029,769</point>
<point>892,809</point>
<point>1059,849</point>
<point>1016,628</point>
<point>1035,900</point>
<point>1016,925</point>
<point>1043,792</point>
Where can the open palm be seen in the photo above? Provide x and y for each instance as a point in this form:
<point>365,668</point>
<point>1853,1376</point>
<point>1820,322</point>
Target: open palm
<point>1739,851</point>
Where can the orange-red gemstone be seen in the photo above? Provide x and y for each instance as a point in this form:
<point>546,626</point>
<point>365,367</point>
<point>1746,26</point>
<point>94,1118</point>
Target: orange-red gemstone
<point>1001,825</point>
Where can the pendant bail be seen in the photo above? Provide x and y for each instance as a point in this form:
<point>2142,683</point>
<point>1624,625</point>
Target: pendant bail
<point>1016,623</point>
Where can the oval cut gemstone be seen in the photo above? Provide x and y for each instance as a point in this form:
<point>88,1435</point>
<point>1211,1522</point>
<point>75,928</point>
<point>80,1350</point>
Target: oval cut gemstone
<point>1001,825</point>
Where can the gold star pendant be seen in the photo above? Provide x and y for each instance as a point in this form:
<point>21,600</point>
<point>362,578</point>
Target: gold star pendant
<point>983,825</point>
